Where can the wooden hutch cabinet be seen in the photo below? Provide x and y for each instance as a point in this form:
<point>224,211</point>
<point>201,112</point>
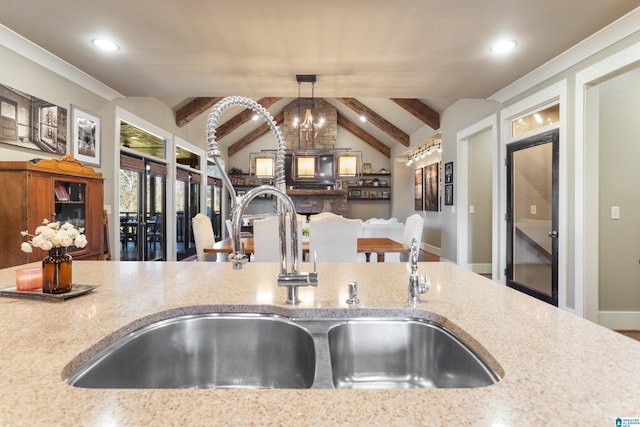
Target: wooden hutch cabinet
<point>61,190</point>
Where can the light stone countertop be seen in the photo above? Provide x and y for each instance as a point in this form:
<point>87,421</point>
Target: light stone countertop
<point>556,367</point>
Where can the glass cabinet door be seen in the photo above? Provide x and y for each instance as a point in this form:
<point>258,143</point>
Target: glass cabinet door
<point>70,204</point>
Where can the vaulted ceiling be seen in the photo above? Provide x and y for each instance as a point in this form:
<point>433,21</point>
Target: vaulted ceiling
<point>400,62</point>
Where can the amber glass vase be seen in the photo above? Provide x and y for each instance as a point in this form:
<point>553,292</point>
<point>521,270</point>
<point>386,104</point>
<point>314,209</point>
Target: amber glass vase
<point>56,272</point>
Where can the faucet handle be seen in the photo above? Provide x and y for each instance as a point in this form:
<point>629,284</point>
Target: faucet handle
<point>238,259</point>
<point>424,286</point>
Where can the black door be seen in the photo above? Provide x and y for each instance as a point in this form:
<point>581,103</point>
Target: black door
<point>532,216</point>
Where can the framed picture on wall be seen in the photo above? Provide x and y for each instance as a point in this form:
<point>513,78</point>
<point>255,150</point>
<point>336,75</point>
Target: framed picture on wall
<point>431,184</point>
<point>85,137</point>
<point>417,184</point>
<point>448,173</point>
<point>33,123</point>
<point>448,194</point>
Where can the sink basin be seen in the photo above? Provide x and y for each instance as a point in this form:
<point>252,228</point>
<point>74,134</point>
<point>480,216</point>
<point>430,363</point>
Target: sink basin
<point>205,351</point>
<point>232,350</point>
<point>405,353</point>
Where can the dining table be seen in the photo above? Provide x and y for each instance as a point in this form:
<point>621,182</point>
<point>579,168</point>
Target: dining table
<point>366,246</point>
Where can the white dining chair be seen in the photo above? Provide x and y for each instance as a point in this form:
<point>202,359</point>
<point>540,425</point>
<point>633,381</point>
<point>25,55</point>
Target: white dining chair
<point>203,237</point>
<point>333,239</point>
<point>266,239</point>
<point>413,227</point>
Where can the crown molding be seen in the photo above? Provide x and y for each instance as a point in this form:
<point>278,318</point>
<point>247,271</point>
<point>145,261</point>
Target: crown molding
<point>612,33</point>
<point>26,48</point>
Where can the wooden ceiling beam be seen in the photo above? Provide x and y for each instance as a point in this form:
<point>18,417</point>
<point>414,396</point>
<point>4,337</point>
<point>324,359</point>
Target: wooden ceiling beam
<point>376,120</point>
<point>193,109</point>
<point>253,135</point>
<point>241,118</point>
<point>420,110</point>
<point>363,135</point>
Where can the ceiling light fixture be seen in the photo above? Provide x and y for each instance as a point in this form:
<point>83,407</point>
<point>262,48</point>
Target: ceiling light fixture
<point>363,118</point>
<point>308,128</point>
<point>503,46</point>
<point>424,150</point>
<point>105,44</point>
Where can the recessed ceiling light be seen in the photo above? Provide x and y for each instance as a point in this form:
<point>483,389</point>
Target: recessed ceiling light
<point>503,46</point>
<point>363,118</point>
<point>105,44</point>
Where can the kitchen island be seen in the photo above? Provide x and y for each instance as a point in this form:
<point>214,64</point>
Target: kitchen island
<point>555,367</point>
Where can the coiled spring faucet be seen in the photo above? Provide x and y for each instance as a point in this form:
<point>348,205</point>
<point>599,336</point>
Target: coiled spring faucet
<point>289,277</point>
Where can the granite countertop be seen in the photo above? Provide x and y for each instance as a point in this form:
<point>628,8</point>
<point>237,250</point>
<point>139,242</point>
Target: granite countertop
<point>556,367</point>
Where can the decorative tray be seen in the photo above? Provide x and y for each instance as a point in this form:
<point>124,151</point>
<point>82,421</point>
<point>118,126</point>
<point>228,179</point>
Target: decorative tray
<point>76,290</point>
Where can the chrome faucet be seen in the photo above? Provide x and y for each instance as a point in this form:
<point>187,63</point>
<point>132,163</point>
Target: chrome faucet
<point>415,288</point>
<point>289,277</point>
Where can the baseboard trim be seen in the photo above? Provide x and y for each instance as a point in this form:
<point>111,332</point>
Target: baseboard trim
<point>620,320</point>
<point>432,249</point>
<point>480,268</point>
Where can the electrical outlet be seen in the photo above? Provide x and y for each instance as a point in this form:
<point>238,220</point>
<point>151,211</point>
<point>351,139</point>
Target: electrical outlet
<point>615,212</point>
<point>534,209</point>
<point>472,209</point>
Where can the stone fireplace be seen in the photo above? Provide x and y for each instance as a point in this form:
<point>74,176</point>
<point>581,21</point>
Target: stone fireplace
<point>316,201</point>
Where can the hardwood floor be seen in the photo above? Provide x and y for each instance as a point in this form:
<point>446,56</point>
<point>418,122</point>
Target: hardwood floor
<point>428,257</point>
<point>631,334</point>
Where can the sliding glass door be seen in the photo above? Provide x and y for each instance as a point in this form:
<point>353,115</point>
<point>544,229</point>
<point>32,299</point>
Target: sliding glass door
<point>142,209</point>
<point>187,206</point>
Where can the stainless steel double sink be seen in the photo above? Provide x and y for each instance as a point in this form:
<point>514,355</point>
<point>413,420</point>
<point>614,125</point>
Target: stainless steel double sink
<point>269,351</point>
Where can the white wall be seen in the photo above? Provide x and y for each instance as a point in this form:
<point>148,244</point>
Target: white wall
<point>619,271</point>
<point>459,116</point>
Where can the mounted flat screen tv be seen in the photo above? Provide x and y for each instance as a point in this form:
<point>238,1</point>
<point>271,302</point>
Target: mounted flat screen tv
<point>310,169</point>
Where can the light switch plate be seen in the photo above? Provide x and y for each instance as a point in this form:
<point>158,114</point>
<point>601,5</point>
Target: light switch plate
<point>472,209</point>
<point>615,212</point>
<point>534,209</point>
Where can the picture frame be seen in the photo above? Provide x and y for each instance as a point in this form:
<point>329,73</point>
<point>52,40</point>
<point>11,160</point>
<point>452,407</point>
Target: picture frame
<point>430,187</point>
<point>448,194</point>
<point>448,173</point>
<point>417,192</point>
<point>86,144</point>
<point>338,184</point>
<point>42,126</point>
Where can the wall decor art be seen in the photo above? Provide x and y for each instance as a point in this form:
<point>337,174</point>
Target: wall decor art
<point>448,194</point>
<point>431,184</point>
<point>448,173</point>
<point>32,123</point>
<point>85,136</point>
<point>417,184</point>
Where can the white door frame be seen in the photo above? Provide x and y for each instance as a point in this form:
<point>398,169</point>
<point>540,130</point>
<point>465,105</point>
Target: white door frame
<point>122,114</point>
<point>556,93</point>
<point>462,194</point>
<point>586,241</point>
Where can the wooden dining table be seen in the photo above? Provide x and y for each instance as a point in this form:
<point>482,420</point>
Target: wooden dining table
<point>366,245</point>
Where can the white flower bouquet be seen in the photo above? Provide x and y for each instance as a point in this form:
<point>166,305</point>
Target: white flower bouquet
<point>54,235</point>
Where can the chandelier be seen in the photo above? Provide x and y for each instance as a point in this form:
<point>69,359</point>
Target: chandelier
<point>310,125</point>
